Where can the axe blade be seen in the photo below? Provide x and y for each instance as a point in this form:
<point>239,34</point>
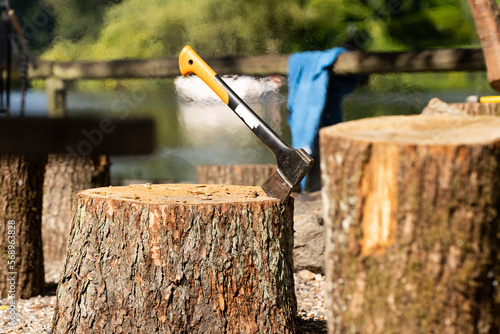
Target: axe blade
<point>277,186</point>
<point>293,166</point>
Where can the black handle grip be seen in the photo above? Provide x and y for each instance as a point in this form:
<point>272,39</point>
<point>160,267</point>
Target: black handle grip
<point>254,122</point>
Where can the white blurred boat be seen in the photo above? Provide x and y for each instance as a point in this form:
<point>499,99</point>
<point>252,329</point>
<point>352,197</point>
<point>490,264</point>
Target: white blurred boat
<point>192,88</point>
<point>206,120</point>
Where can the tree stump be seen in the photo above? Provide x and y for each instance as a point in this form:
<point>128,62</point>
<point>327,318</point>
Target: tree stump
<point>411,211</point>
<point>243,175</point>
<point>65,175</point>
<point>476,108</point>
<point>21,256</point>
<point>178,259</point>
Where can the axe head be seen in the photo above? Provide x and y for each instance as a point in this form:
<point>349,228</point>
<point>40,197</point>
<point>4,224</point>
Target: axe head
<point>293,166</point>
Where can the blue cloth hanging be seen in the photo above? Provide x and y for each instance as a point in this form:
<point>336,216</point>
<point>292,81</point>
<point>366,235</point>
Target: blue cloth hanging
<point>314,96</point>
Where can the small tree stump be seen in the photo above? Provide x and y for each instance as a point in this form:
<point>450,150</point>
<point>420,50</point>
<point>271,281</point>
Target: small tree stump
<point>411,208</point>
<point>477,108</point>
<point>21,257</point>
<point>65,175</point>
<point>243,175</point>
<point>178,259</point>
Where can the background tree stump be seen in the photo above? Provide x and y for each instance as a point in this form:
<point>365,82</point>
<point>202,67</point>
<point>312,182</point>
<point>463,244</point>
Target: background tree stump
<point>243,175</point>
<point>411,211</point>
<point>475,109</point>
<point>178,259</point>
<point>65,175</point>
<point>21,191</point>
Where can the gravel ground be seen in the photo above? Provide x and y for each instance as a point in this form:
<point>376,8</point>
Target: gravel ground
<point>311,307</point>
<point>34,315</point>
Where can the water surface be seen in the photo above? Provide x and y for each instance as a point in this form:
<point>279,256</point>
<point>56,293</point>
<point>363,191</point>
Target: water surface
<point>190,134</point>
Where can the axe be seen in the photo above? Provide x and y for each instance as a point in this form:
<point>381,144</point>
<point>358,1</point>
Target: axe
<point>293,164</point>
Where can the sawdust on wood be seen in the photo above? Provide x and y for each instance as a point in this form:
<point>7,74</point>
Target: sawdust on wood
<point>181,193</point>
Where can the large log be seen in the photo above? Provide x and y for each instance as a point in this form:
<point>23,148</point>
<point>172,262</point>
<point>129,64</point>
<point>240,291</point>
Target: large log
<point>437,60</point>
<point>242,175</point>
<point>178,259</point>
<point>65,175</point>
<point>21,256</point>
<point>413,227</point>
<point>353,62</point>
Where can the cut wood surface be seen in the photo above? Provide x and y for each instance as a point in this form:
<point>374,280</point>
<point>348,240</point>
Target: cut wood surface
<point>412,222</point>
<point>178,259</point>
<point>245,175</point>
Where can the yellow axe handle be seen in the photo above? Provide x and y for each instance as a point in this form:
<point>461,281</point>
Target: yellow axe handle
<point>190,62</point>
<point>489,99</point>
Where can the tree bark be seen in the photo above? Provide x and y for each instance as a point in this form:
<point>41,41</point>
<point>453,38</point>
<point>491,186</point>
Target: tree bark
<point>243,175</point>
<point>178,259</point>
<point>21,182</point>
<point>65,175</point>
<point>411,212</point>
<point>477,108</point>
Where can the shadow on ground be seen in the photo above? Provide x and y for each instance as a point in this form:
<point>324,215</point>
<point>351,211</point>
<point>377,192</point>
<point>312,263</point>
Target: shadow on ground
<point>312,326</point>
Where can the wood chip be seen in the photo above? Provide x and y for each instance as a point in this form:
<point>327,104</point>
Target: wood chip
<point>438,107</point>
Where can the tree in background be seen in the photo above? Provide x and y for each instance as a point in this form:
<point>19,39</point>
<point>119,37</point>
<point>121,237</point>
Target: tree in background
<point>37,21</point>
<point>111,29</point>
<point>78,19</point>
<point>409,24</point>
<point>433,23</point>
<point>138,29</point>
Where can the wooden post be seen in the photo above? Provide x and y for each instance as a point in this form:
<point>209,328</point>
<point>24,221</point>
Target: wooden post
<point>65,175</point>
<point>56,97</point>
<point>178,259</point>
<point>21,256</point>
<point>487,20</point>
<point>413,227</point>
<point>244,175</point>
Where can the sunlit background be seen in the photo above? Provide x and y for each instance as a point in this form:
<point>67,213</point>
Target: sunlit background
<point>199,132</point>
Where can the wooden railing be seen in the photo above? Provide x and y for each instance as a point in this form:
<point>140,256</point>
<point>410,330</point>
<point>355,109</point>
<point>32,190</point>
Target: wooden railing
<point>354,62</point>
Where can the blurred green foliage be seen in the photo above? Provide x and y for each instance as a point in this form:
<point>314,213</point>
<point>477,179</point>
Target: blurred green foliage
<point>114,29</point>
<point>78,19</point>
<point>37,21</point>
